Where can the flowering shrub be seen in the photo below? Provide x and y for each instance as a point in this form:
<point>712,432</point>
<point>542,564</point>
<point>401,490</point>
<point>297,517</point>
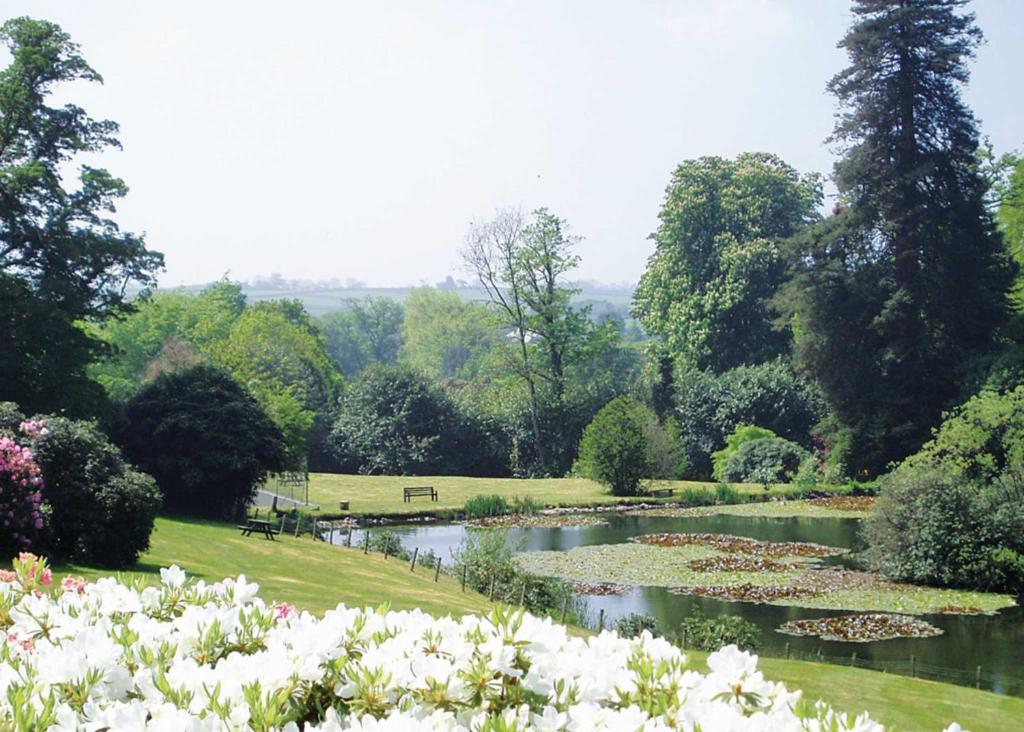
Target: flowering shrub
<point>20,482</point>
<point>190,656</point>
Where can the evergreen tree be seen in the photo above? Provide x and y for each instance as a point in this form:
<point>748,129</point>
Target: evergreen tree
<point>901,290</point>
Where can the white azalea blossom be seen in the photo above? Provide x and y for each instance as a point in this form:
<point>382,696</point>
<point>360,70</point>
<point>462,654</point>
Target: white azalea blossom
<point>187,656</point>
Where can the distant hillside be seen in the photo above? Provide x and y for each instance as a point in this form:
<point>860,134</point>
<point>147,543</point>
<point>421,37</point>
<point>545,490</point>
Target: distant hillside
<point>320,300</point>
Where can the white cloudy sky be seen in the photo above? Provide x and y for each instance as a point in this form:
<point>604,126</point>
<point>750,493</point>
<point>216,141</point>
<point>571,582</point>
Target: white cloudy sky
<point>359,139</point>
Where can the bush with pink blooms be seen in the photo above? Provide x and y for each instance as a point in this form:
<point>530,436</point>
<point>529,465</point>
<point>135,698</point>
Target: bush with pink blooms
<point>21,519</point>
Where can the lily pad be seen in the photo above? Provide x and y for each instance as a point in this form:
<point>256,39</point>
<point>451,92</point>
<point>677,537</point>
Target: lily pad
<point>862,628</point>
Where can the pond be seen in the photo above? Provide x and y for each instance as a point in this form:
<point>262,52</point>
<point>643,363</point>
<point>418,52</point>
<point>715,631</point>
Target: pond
<point>993,642</point>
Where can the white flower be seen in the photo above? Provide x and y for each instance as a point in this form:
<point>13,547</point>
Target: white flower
<point>173,576</point>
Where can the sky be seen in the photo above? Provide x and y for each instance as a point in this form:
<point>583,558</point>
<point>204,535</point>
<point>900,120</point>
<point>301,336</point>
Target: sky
<point>359,140</point>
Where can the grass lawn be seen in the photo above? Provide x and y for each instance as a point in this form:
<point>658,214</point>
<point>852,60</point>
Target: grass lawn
<point>901,703</point>
<point>309,574</point>
<point>317,576</point>
<point>382,494</point>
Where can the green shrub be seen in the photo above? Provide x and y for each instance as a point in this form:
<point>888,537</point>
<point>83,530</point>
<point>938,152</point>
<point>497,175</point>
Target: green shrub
<point>710,406</point>
<point>725,493</point>
<point>765,460</point>
<point>664,448</point>
<point>614,448</point>
<point>710,634</point>
<point>204,438</point>
<point>632,625</point>
<point>526,506</point>
<point>99,510</point>
<point>486,506</point>
<point>953,513</point>
<point>736,439</point>
<point>486,556</point>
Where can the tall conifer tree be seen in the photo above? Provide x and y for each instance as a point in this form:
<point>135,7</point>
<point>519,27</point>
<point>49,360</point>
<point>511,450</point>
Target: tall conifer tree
<point>896,294</point>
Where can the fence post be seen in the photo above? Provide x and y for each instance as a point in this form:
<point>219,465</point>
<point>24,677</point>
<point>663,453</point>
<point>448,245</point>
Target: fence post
<point>565,606</point>
<point>387,545</point>
<point>366,542</point>
<point>600,621</point>
<point>437,569</point>
<point>415,553</point>
<point>463,577</point>
<point>787,650</point>
<point>977,678</point>
<point>853,659</point>
<point>684,639</point>
<point>913,666</point>
<point>349,534</point>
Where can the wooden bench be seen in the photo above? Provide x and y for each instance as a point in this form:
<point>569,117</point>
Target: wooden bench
<point>259,526</point>
<point>419,490</point>
<point>662,492</point>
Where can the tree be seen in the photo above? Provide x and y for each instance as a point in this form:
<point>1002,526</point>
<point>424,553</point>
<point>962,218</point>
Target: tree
<point>521,264</point>
<point>1011,220</point>
<point>62,258</point>
<point>275,351</point>
<point>444,336</point>
<point>393,421</point>
<point>204,438</point>
<point>367,331</point>
<point>896,295</point>
<point>614,450</point>
<point>161,325</point>
<point>717,259</point>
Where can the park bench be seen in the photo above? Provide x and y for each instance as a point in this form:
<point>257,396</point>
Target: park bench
<point>259,526</point>
<point>662,492</point>
<point>420,490</point>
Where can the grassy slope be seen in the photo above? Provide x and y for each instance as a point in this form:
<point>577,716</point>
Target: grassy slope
<point>317,576</point>
<point>312,575</point>
<point>375,494</point>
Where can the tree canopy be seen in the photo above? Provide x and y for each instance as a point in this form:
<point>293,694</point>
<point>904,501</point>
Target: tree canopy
<point>717,259</point>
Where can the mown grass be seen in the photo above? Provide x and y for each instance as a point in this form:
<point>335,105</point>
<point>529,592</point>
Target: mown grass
<point>902,704</point>
<point>309,574</point>
<point>316,577</point>
<point>382,494</point>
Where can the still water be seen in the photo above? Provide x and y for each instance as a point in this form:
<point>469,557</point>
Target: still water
<point>995,643</point>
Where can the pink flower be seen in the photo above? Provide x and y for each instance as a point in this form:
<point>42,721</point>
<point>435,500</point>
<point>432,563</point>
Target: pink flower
<point>73,584</point>
<point>282,610</point>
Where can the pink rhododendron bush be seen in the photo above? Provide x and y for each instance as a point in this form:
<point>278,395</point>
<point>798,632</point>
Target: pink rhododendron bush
<point>188,655</point>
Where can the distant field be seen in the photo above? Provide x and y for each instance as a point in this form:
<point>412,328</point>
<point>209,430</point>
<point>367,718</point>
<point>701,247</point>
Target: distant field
<point>376,494</point>
<point>323,300</point>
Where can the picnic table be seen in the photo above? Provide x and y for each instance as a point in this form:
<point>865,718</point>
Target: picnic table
<point>661,492</point>
<point>259,526</point>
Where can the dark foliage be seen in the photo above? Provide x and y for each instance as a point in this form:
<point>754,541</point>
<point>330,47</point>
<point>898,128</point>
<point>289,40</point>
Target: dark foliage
<point>898,293</point>
<point>99,510</point>
<point>770,395</point>
<point>205,440</point>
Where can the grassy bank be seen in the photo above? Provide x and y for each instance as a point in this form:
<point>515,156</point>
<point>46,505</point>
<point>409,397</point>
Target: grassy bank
<point>382,494</point>
<point>312,575</point>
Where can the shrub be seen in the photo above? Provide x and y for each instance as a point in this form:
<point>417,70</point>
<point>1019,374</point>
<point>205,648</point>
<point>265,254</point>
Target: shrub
<point>205,440</point>
<point>614,448</point>
<point>739,436</point>
<point>98,509</point>
<point>765,460</point>
<point>486,556</point>
<point>486,506</point>
<point>710,634</point>
<point>20,484</point>
<point>725,493</point>
<point>953,513</point>
<point>634,624</point>
<point>664,448</point>
<point>710,406</point>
